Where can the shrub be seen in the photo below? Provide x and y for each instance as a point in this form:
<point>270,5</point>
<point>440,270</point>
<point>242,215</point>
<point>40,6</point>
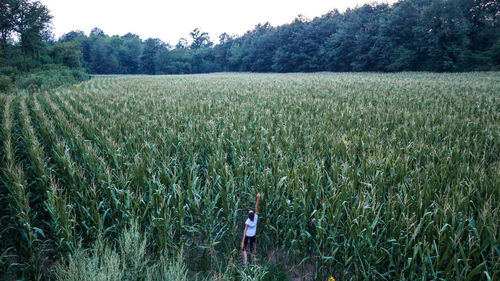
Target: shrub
<point>5,84</point>
<point>50,76</point>
<point>9,71</point>
<point>127,261</point>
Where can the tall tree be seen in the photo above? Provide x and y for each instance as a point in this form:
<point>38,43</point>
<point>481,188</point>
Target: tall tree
<point>7,20</point>
<point>67,53</point>
<point>447,41</point>
<point>129,53</point>
<point>151,47</point>
<point>200,39</point>
<point>33,19</point>
<point>73,36</point>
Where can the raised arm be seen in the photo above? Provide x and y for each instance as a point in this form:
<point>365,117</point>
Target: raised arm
<point>257,204</point>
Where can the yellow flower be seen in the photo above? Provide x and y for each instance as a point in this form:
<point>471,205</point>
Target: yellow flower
<point>331,278</point>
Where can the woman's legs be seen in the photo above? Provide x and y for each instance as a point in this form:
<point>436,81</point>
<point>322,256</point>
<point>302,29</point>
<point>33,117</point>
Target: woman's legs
<point>245,248</point>
<point>245,259</point>
<point>250,246</point>
<point>254,250</point>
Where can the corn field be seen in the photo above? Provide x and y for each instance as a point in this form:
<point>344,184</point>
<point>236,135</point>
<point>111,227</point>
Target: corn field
<point>367,176</point>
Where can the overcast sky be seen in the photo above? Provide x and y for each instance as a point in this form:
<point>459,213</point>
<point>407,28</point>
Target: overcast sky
<point>171,20</point>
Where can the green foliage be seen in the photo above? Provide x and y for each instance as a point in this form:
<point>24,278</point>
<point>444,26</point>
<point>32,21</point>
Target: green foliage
<point>200,39</point>
<point>127,261</point>
<point>409,35</point>
<point>252,273</point>
<point>28,20</point>
<point>247,273</point>
<point>368,176</point>
<point>50,76</point>
<point>7,75</point>
<point>67,53</point>
<point>167,269</point>
<point>9,71</point>
<point>148,58</point>
<point>130,261</point>
<point>29,63</point>
<point>46,77</point>
<point>5,84</point>
<point>495,54</point>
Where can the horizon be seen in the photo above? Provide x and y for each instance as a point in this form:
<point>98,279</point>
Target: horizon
<point>170,25</point>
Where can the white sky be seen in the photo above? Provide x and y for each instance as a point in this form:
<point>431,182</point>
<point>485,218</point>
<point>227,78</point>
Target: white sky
<point>171,20</point>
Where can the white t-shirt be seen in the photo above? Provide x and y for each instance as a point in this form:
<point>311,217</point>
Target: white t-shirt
<point>252,226</point>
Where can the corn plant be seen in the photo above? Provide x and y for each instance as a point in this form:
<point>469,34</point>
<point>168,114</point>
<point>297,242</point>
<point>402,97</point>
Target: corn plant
<point>363,176</point>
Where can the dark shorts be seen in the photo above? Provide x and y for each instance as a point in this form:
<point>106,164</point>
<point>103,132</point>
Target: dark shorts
<point>249,244</point>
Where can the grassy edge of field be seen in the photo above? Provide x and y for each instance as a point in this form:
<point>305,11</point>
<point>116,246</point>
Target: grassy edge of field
<point>128,258</point>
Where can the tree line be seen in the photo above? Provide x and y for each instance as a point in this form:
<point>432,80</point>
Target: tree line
<point>409,35</point>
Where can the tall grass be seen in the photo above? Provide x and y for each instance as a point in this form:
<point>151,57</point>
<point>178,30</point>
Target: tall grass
<point>128,260</point>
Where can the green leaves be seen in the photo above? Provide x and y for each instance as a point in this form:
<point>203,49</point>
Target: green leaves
<point>373,176</point>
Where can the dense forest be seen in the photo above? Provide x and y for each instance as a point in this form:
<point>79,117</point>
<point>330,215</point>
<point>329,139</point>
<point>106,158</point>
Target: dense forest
<point>409,35</point>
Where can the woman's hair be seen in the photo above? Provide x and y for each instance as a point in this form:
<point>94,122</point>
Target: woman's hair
<point>251,215</point>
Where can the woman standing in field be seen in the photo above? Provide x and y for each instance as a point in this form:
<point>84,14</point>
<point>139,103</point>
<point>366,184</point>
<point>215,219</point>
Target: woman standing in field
<point>248,242</point>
